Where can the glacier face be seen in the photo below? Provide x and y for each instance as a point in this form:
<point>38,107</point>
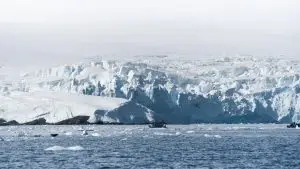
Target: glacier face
<point>218,90</point>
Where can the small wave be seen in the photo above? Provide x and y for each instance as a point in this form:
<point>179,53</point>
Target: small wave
<point>21,134</point>
<point>59,148</point>
<point>210,128</point>
<point>190,132</point>
<point>239,128</point>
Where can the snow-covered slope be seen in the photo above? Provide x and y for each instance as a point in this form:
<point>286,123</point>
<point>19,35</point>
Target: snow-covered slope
<point>56,106</point>
<point>233,90</point>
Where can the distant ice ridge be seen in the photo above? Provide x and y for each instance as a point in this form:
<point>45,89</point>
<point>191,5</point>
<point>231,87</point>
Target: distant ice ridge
<point>222,90</point>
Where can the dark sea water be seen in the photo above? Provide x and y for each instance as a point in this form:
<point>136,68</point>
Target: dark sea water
<point>186,146</point>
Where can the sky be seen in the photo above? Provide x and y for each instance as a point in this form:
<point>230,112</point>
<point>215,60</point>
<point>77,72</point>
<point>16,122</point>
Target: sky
<point>56,31</point>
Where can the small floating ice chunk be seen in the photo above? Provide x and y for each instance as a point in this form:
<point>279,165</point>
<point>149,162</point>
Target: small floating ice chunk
<point>95,134</point>
<point>84,133</point>
<point>207,135</point>
<point>124,139</point>
<point>55,148</point>
<point>59,148</point>
<point>190,131</point>
<point>68,133</point>
<point>75,148</point>
<point>217,136</point>
<point>166,134</point>
<point>162,134</point>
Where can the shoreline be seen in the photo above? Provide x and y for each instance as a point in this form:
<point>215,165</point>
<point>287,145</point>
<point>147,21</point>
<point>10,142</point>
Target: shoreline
<point>83,120</point>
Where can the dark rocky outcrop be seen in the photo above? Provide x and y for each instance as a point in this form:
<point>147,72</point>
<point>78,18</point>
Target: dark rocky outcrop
<point>12,122</point>
<point>74,120</point>
<point>2,121</point>
<point>40,121</point>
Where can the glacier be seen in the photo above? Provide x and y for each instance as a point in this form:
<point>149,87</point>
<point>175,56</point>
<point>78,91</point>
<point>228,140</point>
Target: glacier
<point>142,89</point>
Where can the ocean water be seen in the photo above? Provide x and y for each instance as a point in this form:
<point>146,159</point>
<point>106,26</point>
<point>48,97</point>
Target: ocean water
<point>178,146</point>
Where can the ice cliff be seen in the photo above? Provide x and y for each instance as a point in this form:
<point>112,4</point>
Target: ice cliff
<point>143,89</point>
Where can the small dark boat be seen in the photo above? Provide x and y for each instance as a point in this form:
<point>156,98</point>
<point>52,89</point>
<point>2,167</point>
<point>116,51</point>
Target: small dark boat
<point>293,125</point>
<point>54,135</point>
<point>161,124</point>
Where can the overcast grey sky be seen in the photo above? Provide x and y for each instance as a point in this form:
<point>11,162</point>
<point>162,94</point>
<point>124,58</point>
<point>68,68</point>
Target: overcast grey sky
<point>67,30</point>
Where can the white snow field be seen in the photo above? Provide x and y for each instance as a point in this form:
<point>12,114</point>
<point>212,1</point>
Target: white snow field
<point>146,88</point>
